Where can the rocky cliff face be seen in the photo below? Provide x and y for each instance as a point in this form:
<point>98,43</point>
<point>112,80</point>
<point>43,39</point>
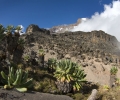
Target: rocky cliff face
<point>35,28</point>
<point>65,28</point>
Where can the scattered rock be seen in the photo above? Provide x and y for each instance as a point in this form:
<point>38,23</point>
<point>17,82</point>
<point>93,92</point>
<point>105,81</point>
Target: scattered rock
<point>89,58</point>
<point>67,56</point>
<point>93,66</point>
<point>84,64</point>
<point>103,69</point>
<point>105,62</point>
<point>97,60</point>
<point>52,53</point>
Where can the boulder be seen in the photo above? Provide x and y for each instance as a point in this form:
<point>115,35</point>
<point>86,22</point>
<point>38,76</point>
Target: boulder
<point>35,28</point>
<point>32,28</point>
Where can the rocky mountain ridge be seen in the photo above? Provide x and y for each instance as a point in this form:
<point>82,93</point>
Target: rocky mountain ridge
<point>65,28</point>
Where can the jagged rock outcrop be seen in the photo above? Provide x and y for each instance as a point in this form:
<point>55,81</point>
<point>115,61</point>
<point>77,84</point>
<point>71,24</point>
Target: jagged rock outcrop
<point>32,28</point>
<point>35,28</point>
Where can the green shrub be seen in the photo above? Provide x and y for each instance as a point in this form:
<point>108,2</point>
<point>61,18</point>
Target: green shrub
<point>113,70</point>
<point>52,63</point>
<point>26,57</point>
<point>70,72</point>
<point>18,28</point>
<point>2,29</point>
<point>9,28</point>
<point>18,80</point>
<point>20,43</point>
<point>41,52</point>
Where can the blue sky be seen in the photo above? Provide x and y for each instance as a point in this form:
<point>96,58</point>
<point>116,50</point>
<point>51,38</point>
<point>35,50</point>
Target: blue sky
<point>47,13</point>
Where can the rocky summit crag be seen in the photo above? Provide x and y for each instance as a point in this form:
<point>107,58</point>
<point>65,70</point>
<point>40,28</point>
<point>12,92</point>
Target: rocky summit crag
<point>33,28</point>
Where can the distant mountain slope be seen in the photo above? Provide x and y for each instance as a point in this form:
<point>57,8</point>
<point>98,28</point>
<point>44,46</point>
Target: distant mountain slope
<point>77,42</point>
<point>96,51</point>
<point>64,28</point>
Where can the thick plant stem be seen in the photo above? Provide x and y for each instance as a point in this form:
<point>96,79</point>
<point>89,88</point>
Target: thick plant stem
<point>93,95</point>
<point>112,80</point>
<point>41,61</point>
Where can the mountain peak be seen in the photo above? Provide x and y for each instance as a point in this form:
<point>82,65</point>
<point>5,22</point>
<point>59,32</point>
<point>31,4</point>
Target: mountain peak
<point>63,28</point>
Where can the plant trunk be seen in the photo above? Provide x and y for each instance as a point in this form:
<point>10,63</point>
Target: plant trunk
<point>41,60</point>
<point>17,56</point>
<point>112,80</point>
<point>64,87</point>
<point>93,95</point>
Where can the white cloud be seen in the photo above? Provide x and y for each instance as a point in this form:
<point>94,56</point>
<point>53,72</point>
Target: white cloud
<point>108,20</point>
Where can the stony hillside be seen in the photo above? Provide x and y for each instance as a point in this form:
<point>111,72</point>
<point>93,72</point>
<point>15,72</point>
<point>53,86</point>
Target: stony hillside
<point>96,51</point>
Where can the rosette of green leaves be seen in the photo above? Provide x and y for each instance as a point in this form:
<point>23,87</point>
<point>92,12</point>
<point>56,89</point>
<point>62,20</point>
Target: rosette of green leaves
<point>52,63</point>
<point>68,71</point>
<point>17,79</point>
<point>78,78</point>
<point>113,70</point>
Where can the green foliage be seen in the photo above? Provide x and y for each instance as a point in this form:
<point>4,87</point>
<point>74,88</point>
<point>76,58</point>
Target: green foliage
<point>41,52</point>
<point>9,28</point>
<point>67,71</point>
<point>18,79</point>
<point>52,63</point>
<point>117,81</point>
<point>45,85</point>
<point>2,30</point>
<point>80,96</point>
<point>64,70</point>
<point>106,87</point>
<point>18,28</point>
<point>21,89</point>
<point>21,43</point>
<point>113,70</point>
<point>78,78</point>
<point>26,57</point>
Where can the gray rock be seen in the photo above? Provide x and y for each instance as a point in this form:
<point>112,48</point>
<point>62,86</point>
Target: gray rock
<point>35,28</point>
<point>84,64</point>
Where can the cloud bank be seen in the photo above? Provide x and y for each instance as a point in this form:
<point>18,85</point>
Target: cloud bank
<point>108,21</point>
